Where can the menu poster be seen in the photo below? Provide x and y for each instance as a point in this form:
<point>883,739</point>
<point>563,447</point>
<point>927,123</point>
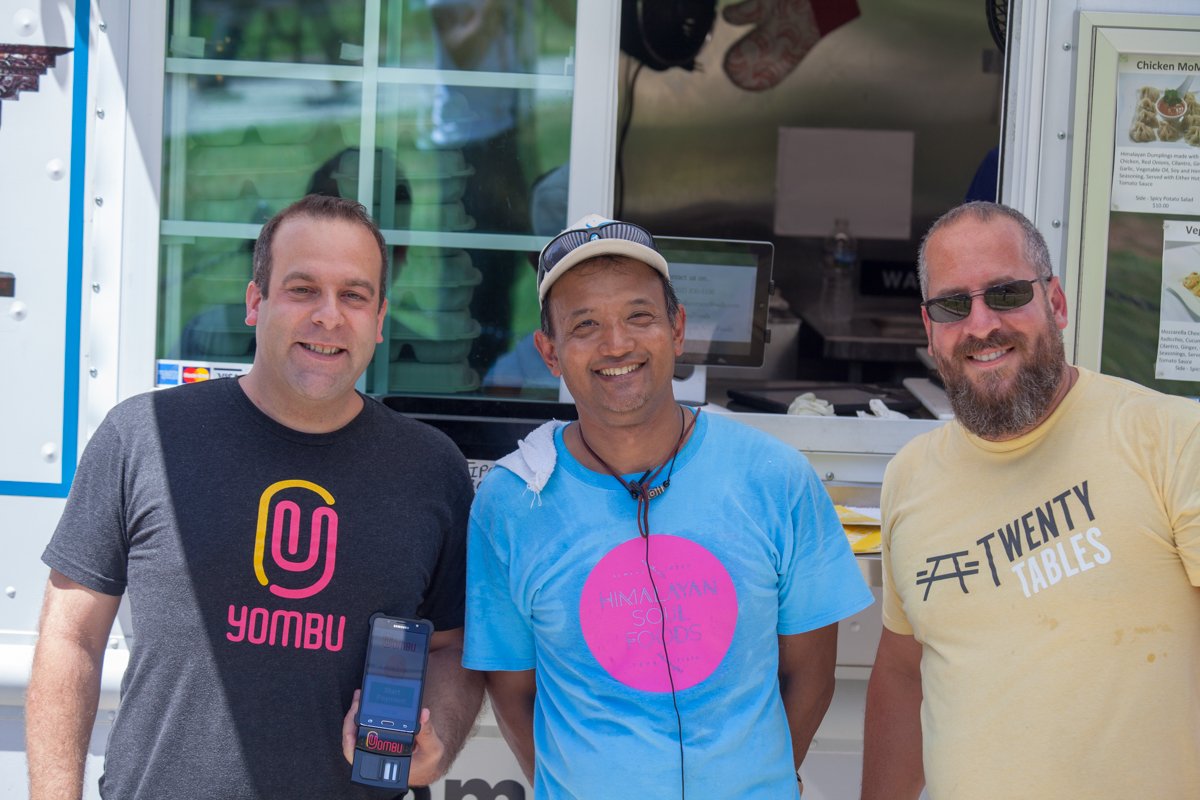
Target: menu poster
<point>1179,319</point>
<point>1157,161</point>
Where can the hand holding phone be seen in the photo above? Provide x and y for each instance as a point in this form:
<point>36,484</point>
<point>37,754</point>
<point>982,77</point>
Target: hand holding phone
<point>389,712</point>
<point>428,748</point>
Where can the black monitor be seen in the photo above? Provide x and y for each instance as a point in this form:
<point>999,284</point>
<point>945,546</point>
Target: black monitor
<point>724,285</point>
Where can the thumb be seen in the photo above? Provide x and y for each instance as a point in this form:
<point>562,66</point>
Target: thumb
<point>746,12</point>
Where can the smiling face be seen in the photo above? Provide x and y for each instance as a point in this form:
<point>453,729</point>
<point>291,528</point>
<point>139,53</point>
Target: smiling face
<point>1004,371</point>
<point>613,341</point>
<point>317,326</point>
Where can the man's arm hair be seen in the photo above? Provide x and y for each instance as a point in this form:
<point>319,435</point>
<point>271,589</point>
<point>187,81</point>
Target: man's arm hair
<point>512,695</point>
<point>453,695</point>
<point>64,688</point>
<point>806,664</point>
<point>892,766</point>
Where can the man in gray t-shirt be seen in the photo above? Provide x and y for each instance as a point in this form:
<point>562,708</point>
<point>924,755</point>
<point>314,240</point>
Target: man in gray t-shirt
<point>255,524</point>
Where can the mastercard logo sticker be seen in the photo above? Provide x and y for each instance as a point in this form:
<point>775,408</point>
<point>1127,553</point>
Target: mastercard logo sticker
<point>195,374</point>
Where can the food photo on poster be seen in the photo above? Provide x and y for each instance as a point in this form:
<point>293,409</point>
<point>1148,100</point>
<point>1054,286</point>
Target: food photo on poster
<point>1179,316</point>
<point>1166,115</point>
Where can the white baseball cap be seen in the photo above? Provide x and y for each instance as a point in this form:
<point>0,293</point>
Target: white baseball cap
<point>593,236</point>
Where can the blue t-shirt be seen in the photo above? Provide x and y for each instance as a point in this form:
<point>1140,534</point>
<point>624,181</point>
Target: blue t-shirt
<point>746,545</point>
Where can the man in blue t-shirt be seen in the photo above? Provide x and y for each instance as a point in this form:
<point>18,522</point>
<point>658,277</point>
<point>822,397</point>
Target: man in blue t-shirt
<point>653,591</point>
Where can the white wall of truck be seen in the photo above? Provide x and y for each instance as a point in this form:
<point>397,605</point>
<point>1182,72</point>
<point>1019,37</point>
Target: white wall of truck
<point>79,184</point>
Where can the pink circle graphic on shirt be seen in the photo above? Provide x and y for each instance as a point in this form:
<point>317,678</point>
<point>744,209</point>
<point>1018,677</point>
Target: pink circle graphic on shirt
<point>624,627</point>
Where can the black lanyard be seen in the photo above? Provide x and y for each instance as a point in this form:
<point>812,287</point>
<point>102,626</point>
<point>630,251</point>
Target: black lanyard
<point>640,489</point>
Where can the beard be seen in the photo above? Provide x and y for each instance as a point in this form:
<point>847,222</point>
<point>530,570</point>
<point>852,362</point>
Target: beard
<point>990,409</point>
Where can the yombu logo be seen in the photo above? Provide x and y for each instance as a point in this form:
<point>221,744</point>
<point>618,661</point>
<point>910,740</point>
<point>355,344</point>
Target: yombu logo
<point>284,520</point>
<point>283,627</point>
<point>378,744</point>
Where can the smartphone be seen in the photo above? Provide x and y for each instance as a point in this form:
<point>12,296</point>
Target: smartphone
<point>389,709</point>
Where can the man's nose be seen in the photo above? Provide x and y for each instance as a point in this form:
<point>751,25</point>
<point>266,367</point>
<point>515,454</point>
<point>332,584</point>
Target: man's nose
<point>328,313</point>
<point>982,317</point>
<point>616,340</point>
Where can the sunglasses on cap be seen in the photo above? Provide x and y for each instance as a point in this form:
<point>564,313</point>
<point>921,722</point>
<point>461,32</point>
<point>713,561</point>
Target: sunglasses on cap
<point>560,246</point>
<point>1001,297</point>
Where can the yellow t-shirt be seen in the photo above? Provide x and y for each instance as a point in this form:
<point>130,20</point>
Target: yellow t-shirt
<point>1052,583</point>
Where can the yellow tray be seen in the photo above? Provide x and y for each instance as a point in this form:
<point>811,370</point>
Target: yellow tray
<point>863,538</point>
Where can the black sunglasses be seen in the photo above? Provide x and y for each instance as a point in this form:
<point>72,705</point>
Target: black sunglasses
<point>1001,297</point>
<point>558,247</point>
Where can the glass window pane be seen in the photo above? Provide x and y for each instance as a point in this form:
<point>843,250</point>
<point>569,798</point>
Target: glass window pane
<point>289,31</point>
<point>465,134</point>
<point>201,309</point>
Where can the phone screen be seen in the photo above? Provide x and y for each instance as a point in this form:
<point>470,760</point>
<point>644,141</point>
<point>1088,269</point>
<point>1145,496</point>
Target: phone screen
<point>391,696</point>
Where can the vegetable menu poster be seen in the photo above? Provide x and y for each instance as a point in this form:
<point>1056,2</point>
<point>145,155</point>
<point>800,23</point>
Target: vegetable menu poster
<point>1179,319</point>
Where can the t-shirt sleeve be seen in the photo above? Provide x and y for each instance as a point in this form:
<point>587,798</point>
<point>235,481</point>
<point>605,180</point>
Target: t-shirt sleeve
<point>90,545</point>
<point>1183,498</point>
<point>498,635</point>
<point>894,618</point>
<point>444,604</point>
<point>821,582</point>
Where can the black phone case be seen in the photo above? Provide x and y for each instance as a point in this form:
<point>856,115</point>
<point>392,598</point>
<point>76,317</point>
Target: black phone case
<point>381,756</point>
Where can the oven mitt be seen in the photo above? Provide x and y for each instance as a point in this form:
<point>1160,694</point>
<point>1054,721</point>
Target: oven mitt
<point>784,32</point>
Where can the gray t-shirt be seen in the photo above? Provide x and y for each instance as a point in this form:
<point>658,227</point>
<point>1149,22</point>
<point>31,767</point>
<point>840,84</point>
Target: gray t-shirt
<point>253,556</point>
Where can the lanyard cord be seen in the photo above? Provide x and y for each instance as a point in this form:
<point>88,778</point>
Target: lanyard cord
<point>639,489</point>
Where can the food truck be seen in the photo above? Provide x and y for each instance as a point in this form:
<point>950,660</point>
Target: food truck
<point>789,162</point>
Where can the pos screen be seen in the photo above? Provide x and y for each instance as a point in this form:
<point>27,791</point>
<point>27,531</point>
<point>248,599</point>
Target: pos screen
<point>724,285</point>
<point>391,695</point>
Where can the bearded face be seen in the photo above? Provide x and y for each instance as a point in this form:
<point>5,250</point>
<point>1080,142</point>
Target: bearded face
<point>1003,404</point>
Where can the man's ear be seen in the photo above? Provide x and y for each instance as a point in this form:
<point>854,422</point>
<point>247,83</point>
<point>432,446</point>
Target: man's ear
<point>254,299</point>
<point>677,330</point>
<point>548,352</point>
<point>383,307</point>
<point>1058,302</point>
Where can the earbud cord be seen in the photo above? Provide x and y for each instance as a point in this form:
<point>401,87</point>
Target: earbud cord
<point>637,489</point>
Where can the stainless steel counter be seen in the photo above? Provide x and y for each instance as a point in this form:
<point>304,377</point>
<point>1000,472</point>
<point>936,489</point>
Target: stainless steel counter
<point>873,333</point>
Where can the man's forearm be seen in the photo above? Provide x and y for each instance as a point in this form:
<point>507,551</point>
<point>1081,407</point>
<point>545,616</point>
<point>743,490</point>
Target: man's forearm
<point>892,768</point>
<point>512,696</point>
<point>806,683</point>
<point>454,696</point>
<point>60,709</point>
<point>805,703</point>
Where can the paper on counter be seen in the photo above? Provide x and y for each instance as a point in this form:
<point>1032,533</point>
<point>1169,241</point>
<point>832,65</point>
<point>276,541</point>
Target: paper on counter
<point>864,176</point>
<point>856,515</point>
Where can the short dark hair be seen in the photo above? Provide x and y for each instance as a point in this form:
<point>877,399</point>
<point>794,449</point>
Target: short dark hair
<point>317,206</point>
<point>672,299</point>
<point>1035,250</point>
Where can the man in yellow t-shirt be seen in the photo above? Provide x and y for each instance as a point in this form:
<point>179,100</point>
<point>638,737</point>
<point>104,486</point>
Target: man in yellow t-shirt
<point>1041,554</point>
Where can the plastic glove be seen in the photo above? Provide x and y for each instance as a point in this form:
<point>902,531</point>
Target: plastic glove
<point>880,411</point>
<point>811,405</point>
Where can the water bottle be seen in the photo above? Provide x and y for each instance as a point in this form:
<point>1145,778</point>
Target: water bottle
<point>838,277</point>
